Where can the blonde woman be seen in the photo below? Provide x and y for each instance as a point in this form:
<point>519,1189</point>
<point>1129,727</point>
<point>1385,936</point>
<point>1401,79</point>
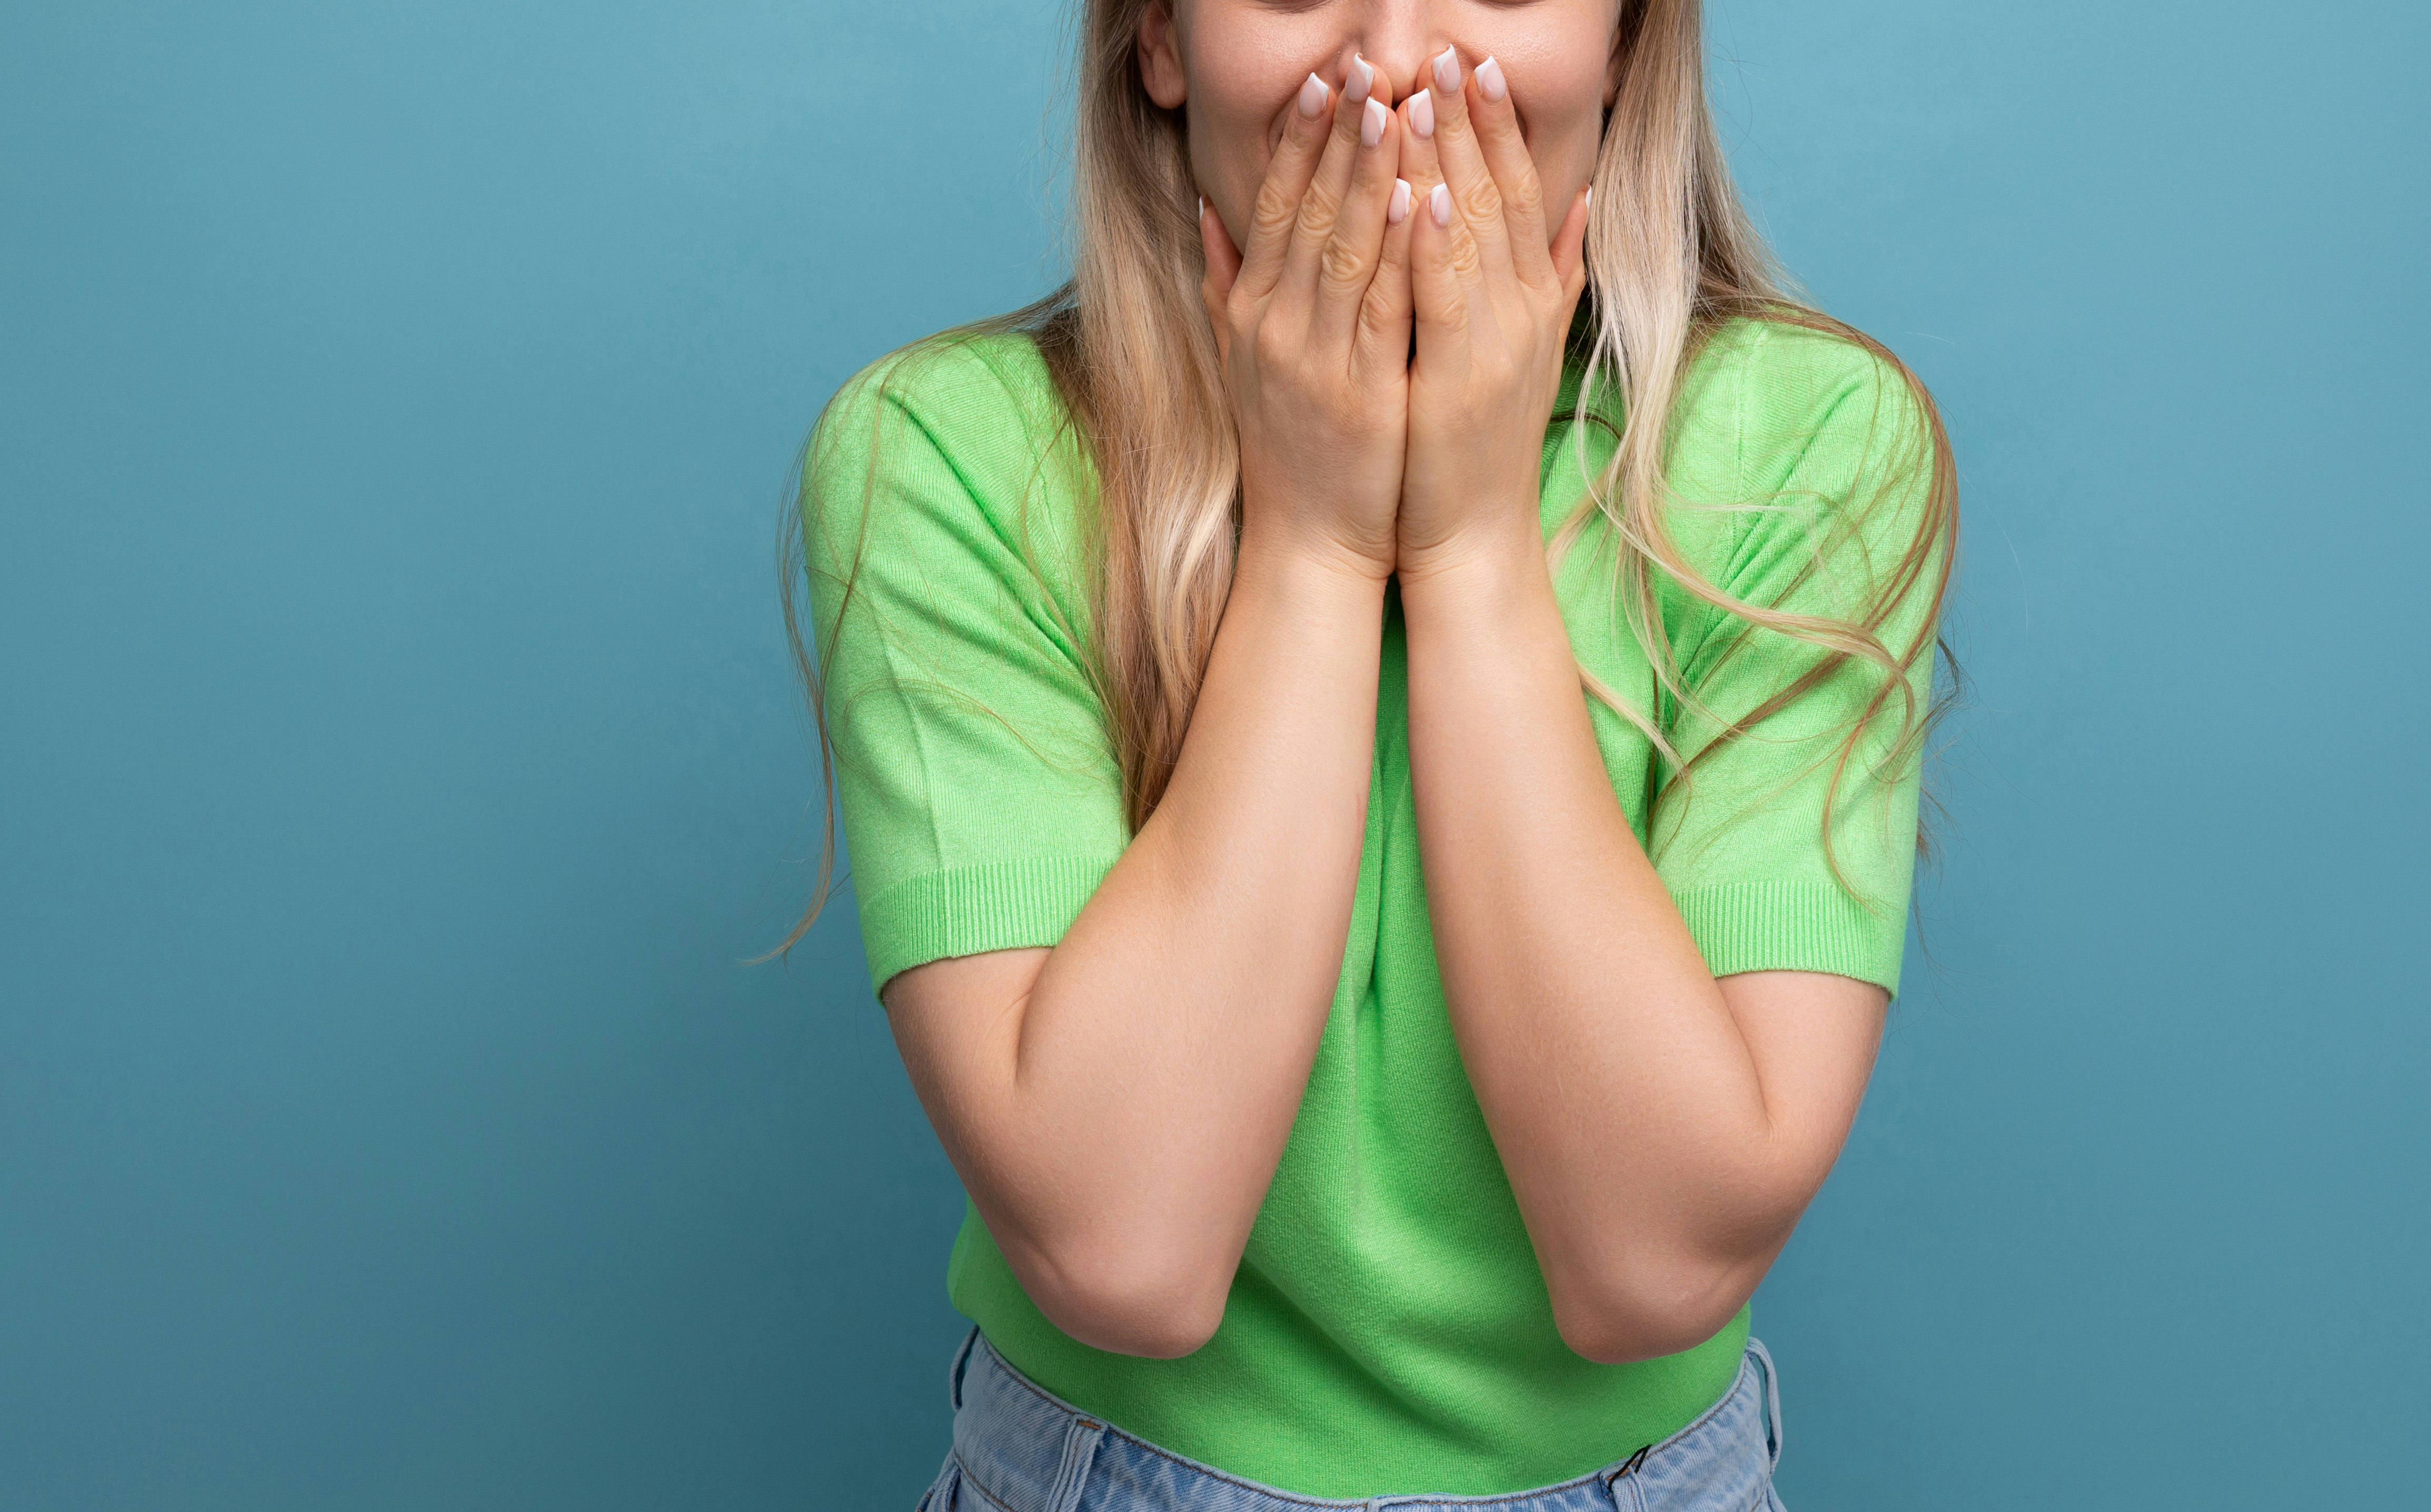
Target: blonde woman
<point>1378,734</point>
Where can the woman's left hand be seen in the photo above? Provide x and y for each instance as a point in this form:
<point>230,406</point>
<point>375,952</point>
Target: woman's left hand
<point>1494,301</point>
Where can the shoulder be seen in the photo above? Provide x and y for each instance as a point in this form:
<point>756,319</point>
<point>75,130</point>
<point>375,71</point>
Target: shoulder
<point>1806,469</point>
<point>963,433</point>
<point>980,398</point>
<point>1780,399</point>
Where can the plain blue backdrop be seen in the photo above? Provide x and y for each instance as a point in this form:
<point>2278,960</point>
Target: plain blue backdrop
<point>397,754</point>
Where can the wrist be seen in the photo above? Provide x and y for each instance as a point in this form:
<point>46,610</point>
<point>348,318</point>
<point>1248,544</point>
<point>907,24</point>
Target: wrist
<point>1487,611</point>
<point>1320,590</point>
<point>1480,563</point>
<point>1310,562</point>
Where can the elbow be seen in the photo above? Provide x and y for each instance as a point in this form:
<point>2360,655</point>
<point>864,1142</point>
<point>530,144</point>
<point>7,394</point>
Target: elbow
<point>1128,1299</point>
<point>1676,1284</point>
<point>1651,1311</point>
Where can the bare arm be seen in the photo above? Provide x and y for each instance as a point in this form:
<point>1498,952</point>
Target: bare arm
<point>1663,1131</point>
<point>1117,1105</point>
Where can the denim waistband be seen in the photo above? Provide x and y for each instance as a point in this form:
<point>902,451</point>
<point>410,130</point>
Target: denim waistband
<point>1017,1447</point>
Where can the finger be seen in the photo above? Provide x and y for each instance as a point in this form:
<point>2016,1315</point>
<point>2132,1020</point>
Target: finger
<point>1421,167</point>
<point>1382,344</point>
<point>1568,257</point>
<point>1306,130</point>
<point>1223,271</point>
<point>1322,206</point>
<point>1476,198</point>
<point>1497,127</point>
<point>1438,294</point>
<point>1348,261</point>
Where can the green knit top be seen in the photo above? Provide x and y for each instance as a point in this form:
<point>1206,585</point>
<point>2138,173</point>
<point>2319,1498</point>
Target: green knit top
<point>1388,1330</point>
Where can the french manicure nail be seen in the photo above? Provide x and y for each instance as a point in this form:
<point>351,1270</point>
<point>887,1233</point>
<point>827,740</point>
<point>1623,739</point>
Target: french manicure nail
<point>1361,79</point>
<point>1448,70</point>
<point>1202,207</point>
<point>1312,97</point>
<point>1489,80</point>
<point>1439,205</point>
<point>1397,209</point>
<point>1422,113</point>
<point>1371,124</point>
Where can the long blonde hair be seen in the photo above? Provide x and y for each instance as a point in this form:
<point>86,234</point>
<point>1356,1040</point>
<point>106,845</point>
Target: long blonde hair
<point>1671,257</point>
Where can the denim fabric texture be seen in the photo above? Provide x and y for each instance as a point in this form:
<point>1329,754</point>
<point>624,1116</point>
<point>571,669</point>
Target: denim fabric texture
<point>1018,1449</point>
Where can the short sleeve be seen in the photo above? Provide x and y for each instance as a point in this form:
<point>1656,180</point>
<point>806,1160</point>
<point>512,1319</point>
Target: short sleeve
<point>978,795</point>
<point>1781,854</point>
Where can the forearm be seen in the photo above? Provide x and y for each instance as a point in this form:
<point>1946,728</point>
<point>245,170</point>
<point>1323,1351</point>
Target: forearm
<point>1629,1112</point>
<point>1139,1099</point>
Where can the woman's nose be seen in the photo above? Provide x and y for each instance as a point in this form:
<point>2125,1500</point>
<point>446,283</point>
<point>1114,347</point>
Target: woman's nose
<point>1406,70</point>
<point>1393,39</point>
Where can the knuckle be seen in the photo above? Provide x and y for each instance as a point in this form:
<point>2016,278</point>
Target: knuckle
<point>1525,196</point>
<point>1481,202</point>
<point>1377,319</point>
<point>1465,258</point>
<point>1446,310</point>
<point>1341,266</point>
<point>1318,212</point>
<point>1275,209</point>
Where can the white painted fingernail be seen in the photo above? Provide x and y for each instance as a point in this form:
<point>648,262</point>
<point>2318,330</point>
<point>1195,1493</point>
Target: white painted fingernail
<point>1312,97</point>
<point>1590,201</point>
<point>1397,209</point>
<point>1371,124</point>
<point>1448,70</point>
<point>1422,113</point>
<point>1361,78</point>
<point>1439,205</point>
<point>1489,80</point>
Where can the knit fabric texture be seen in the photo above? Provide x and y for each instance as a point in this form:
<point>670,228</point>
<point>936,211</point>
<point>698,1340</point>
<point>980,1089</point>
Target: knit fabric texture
<point>1388,1330</point>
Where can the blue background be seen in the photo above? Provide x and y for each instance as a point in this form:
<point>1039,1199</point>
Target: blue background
<point>397,754</point>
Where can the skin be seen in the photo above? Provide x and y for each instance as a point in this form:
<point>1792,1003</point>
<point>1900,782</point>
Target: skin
<point>1663,1130</point>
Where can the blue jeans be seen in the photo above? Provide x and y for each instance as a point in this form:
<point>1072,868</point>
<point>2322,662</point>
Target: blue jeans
<point>1016,1449</point>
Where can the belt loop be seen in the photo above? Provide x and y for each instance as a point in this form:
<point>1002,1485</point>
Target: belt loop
<point>954,1372</point>
<point>1771,1399</point>
<point>1081,1437</point>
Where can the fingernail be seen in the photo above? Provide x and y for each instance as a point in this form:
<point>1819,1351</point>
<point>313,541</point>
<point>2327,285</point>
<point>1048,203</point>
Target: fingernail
<point>1312,97</point>
<point>1422,113</point>
<point>1202,207</point>
<point>1361,79</point>
<point>1439,205</point>
<point>1371,124</point>
<point>1590,202</point>
<point>1397,209</point>
<point>1448,70</point>
<point>1489,80</point>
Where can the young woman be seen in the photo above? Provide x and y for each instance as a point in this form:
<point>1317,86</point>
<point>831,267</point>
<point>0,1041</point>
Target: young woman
<point>1378,731</point>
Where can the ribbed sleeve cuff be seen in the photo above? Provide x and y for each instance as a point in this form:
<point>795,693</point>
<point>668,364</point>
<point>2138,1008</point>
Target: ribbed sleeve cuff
<point>1792,926</point>
<point>1001,905</point>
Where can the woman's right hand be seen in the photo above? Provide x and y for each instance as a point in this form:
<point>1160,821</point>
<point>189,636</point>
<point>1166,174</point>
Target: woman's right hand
<point>1313,324</point>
